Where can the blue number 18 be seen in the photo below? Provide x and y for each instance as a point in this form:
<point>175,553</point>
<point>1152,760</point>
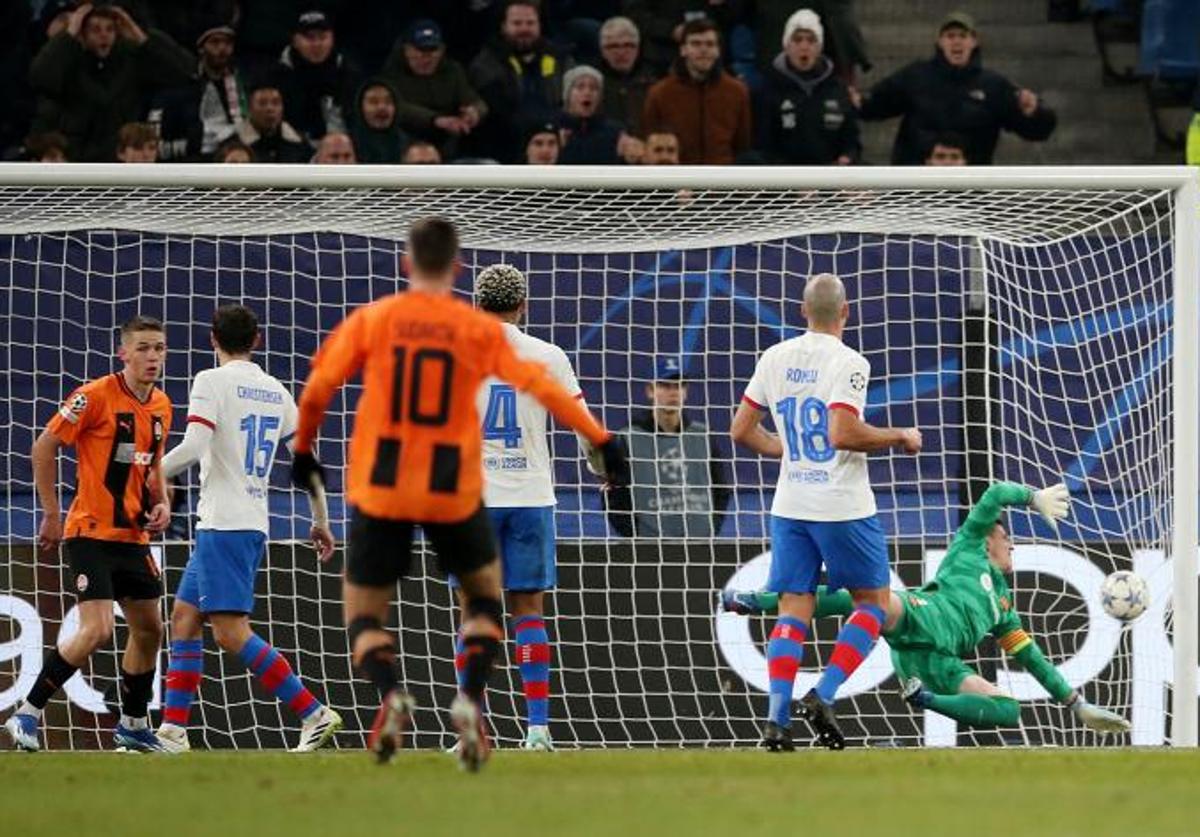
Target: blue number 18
<point>811,436</point>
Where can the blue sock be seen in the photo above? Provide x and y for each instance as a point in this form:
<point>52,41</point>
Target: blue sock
<point>784,652</point>
<point>533,660</point>
<point>277,677</point>
<point>854,642</point>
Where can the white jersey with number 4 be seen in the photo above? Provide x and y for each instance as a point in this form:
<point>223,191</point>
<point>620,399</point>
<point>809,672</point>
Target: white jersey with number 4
<point>251,414</point>
<point>800,381</point>
<point>517,472</point>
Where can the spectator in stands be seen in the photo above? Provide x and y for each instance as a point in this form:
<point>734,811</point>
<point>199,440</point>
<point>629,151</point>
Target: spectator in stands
<point>948,149</point>
<point>318,81</point>
<point>543,144</point>
<point>335,148</point>
<point>705,107</point>
<point>47,147</point>
<point>661,23</point>
<point>680,484</point>
<point>194,119</point>
<point>376,132</point>
<point>421,153</point>
<point>844,43</point>
<point>95,75</point>
<point>575,25</point>
<point>662,149</point>
<point>435,101</point>
<point>588,138</point>
<point>806,117</point>
<point>626,76</point>
<point>952,92</point>
<point>137,142</point>
<point>15,91</point>
<point>269,136</point>
<point>520,76</point>
<point>233,150</point>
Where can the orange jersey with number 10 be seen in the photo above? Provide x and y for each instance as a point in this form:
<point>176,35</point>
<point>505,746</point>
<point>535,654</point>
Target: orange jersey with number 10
<point>415,453</point>
<point>118,439</point>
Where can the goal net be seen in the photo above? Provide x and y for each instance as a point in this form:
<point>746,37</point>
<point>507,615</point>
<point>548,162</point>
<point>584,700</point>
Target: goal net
<point>1027,321</point>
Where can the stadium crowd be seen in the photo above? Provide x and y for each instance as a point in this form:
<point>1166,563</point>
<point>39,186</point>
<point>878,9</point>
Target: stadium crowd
<point>506,81</point>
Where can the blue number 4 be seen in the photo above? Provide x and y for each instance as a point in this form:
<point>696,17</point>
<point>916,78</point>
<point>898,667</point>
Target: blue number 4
<point>258,431</point>
<point>500,417</point>
<point>811,437</point>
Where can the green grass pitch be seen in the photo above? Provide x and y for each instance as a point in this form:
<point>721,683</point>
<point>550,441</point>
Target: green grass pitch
<point>623,793</point>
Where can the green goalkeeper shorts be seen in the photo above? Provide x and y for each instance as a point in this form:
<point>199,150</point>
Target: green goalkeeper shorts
<point>915,648</point>
<point>941,673</point>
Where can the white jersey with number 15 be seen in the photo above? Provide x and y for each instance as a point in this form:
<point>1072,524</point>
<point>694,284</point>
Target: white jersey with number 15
<point>251,414</point>
<point>801,381</point>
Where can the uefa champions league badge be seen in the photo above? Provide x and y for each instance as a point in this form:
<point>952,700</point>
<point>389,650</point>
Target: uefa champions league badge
<point>858,382</point>
<point>81,583</point>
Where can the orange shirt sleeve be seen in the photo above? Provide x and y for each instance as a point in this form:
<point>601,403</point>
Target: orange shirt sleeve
<point>340,356</point>
<point>75,415</point>
<point>534,378</point>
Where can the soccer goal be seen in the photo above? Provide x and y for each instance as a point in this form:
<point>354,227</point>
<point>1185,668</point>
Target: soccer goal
<point>1034,323</point>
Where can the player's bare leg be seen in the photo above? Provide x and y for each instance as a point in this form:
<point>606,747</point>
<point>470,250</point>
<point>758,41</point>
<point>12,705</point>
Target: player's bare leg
<point>95,629</point>
<point>138,665</point>
<point>373,652</point>
<point>482,631</point>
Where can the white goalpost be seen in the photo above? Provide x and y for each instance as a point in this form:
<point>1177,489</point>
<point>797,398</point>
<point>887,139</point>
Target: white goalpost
<point>1036,323</point>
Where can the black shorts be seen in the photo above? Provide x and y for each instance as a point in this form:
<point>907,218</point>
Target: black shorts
<point>380,550</point>
<point>112,570</point>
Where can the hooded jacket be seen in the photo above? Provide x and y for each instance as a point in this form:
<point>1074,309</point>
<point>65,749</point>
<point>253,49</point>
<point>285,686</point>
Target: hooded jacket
<point>373,145</point>
<point>933,96</point>
<point>710,117</point>
<point>806,119</point>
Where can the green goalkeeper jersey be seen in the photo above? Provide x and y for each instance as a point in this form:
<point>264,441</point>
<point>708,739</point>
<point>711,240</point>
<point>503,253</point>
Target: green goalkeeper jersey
<point>968,598</point>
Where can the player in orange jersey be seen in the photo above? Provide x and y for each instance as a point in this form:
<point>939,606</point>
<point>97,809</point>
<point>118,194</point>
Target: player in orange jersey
<point>118,425</point>
<point>415,459</point>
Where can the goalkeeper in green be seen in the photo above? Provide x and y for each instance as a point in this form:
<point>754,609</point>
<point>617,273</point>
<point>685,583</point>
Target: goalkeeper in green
<point>929,629</point>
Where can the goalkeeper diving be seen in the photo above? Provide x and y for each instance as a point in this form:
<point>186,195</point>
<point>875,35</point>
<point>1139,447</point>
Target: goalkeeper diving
<point>930,628</point>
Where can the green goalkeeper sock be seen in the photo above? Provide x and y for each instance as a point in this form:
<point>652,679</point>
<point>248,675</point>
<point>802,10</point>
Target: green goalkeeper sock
<point>978,710</point>
<point>835,603</point>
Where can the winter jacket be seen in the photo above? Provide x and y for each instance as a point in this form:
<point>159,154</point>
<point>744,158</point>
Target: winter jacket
<point>806,119</point>
<point>284,146</point>
<point>625,95</point>
<point>518,93</point>
<point>317,98</point>
<point>194,119</point>
<point>710,117</point>
<point>423,99</point>
<point>88,99</point>
<point>934,97</point>
<point>590,141</point>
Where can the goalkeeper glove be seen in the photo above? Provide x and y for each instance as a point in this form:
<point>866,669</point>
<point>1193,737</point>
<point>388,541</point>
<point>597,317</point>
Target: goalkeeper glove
<point>305,469</point>
<point>1096,718</point>
<point>1052,503</point>
<point>608,461</point>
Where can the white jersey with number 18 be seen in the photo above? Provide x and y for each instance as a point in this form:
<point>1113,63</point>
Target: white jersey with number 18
<point>251,414</point>
<point>517,472</point>
<point>800,381</point>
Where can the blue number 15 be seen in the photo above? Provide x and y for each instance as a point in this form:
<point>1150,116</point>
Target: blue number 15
<point>806,429</point>
<point>258,430</point>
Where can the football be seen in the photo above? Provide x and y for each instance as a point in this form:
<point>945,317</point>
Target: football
<point>1124,595</point>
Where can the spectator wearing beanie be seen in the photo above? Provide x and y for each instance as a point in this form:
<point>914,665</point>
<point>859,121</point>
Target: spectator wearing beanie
<point>543,144</point>
<point>589,138</point>
<point>806,117</point>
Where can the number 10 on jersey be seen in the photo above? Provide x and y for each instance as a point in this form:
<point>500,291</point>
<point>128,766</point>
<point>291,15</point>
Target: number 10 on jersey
<point>805,429</point>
